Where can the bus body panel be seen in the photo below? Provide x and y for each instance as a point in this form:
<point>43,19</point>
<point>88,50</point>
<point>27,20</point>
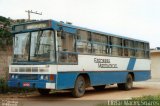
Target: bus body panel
<point>102,70</point>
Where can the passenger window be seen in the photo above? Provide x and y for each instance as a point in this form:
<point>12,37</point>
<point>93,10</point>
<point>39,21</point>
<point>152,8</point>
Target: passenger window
<point>66,42</point>
<point>146,46</point>
<point>116,41</point>
<point>66,48</point>
<point>84,47</point>
<point>125,52</point>
<point>147,54</point>
<point>99,49</point>
<point>128,43</point>
<point>116,51</point>
<point>139,45</point>
<point>83,42</point>
<point>140,54</point>
<point>99,38</point>
<point>83,35</point>
<point>132,53</point>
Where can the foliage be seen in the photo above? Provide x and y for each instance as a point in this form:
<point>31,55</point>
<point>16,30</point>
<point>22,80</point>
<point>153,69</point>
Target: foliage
<point>3,85</point>
<point>5,21</point>
<point>5,34</point>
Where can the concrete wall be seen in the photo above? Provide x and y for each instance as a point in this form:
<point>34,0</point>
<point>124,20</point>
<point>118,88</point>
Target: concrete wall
<point>155,64</point>
<point>5,60</point>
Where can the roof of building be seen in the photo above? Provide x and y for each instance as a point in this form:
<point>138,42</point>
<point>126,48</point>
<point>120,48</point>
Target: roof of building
<point>155,51</point>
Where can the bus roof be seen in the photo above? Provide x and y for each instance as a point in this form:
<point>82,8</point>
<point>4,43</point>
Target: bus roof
<point>82,28</point>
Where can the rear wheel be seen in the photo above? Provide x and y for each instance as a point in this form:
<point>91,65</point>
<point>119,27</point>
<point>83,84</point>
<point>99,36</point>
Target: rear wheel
<point>98,88</point>
<point>128,85</point>
<point>79,88</point>
<point>44,91</point>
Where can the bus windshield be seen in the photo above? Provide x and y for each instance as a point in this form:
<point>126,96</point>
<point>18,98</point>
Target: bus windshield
<point>35,46</point>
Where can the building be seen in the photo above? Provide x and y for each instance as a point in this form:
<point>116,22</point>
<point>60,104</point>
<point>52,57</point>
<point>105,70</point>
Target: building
<point>155,63</point>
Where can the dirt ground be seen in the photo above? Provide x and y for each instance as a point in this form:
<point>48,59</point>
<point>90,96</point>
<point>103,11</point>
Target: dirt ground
<point>91,97</point>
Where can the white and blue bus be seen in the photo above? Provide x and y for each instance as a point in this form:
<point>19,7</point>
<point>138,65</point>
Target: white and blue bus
<point>55,55</point>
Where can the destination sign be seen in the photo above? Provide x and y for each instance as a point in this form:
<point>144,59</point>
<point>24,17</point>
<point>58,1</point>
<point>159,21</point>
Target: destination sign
<point>29,26</point>
<point>35,26</point>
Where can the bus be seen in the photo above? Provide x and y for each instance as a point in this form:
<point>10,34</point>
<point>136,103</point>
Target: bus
<point>51,55</point>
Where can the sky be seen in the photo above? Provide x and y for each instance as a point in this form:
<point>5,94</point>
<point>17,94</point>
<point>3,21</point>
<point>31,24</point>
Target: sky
<point>139,19</point>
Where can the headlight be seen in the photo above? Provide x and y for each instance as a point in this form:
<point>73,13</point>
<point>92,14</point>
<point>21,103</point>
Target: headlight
<point>12,76</point>
<point>46,77</point>
<point>41,77</point>
<point>16,76</point>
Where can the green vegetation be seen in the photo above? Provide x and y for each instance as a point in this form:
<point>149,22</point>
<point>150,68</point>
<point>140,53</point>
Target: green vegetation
<point>3,85</point>
<point>139,101</point>
<point>5,34</point>
<point>7,22</point>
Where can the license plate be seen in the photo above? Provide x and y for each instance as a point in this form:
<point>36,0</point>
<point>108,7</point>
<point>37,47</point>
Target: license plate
<point>26,84</point>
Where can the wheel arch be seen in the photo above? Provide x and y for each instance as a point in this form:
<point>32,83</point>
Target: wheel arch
<point>132,74</point>
<point>87,78</point>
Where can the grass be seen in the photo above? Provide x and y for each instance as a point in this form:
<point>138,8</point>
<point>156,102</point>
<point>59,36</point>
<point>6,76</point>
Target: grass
<point>139,101</point>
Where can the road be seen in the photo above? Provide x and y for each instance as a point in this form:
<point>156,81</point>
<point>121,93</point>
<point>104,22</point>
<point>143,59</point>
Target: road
<point>91,97</point>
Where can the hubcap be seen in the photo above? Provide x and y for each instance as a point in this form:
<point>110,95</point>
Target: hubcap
<point>81,86</point>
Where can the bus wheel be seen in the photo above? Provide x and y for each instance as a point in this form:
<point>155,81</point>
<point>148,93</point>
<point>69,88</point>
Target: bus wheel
<point>44,91</point>
<point>128,85</point>
<point>98,88</point>
<point>79,88</point>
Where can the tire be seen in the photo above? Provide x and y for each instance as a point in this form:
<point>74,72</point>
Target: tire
<point>44,91</point>
<point>128,85</point>
<point>79,87</point>
<point>99,88</point>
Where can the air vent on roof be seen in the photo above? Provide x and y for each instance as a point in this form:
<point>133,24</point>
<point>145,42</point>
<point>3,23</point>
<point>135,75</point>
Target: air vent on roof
<point>69,23</point>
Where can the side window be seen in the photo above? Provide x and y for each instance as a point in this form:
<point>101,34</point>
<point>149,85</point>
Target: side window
<point>139,45</point>
<point>99,49</point>
<point>140,53</point>
<point>66,41</point>
<point>132,53</point>
<point>142,49</point>
<point>146,47</point>
<point>115,46</point>
<point>116,51</point>
<point>83,35</point>
<point>116,41</point>
<point>83,42</point>
<point>66,48</point>
<point>99,44</point>
<point>83,47</point>
<point>99,38</point>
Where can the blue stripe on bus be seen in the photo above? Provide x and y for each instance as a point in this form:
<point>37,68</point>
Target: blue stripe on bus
<point>131,64</point>
<point>66,80</point>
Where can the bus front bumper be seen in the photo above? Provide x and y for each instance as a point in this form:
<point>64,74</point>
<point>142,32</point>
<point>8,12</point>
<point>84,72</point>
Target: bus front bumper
<point>31,84</point>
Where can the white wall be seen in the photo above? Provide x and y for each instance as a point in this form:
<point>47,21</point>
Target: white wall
<point>155,64</point>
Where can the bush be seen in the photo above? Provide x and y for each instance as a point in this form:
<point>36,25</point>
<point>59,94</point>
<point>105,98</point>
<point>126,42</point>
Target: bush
<point>3,85</point>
